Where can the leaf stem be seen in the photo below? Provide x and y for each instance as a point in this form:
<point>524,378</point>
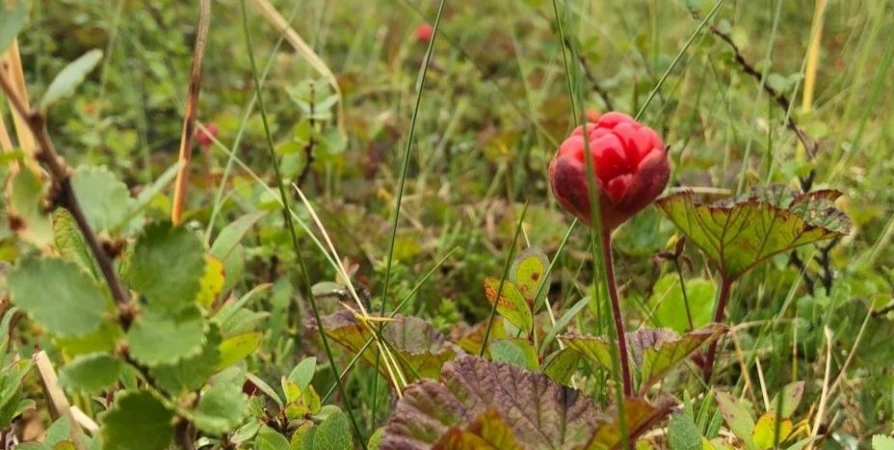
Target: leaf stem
<point>616,312</point>
<point>725,288</point>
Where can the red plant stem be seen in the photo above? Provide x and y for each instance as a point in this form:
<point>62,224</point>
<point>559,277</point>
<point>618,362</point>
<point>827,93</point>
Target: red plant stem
<point>616,312</point>
<point>725,286</point>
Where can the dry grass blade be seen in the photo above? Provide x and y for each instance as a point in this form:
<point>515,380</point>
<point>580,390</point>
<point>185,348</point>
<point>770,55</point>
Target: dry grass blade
<point>192,105</point>
<point>11,69</point>
<point>297,42</point>
<point>59,406</point>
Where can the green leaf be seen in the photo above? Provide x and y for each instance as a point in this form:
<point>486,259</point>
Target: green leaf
<point>670,308</point>
<point>58,431</point>
<point>59,295</point>
<point>70,243</point>
<point>156,339</point>
<point>739,234</point>
<point>70,78</point>
<point>212,281</point>
<point>304,372</point>
<point>27,208</point>
<point>529,272</point>
<point>375,441</point>
<point>104,199</point>
<point>661,355</point>
<point>233,233</point>
<point>487,432</point>
<point>596,349</point>
<point>270,439</point>
<point>334,433</point>
<point>682,434</point>
<point>880,442</point>
<point>137,421</point>
<point>264,387</point>
<point>515,351</point>
<point>563,321</point>
<point>737,418</point>
<point>190,373</point>
<point>541,413</point>
<point>91,373</point>
<point>419,347</point>
<point>167,265</point>
<point>237,348</point>
<point>790,396</point>
<point>560,366</point>
<point>221,409</point>
<point>512,303</point>
<point>11,23</point>
<point>765,435</point>
<point>103,340</point>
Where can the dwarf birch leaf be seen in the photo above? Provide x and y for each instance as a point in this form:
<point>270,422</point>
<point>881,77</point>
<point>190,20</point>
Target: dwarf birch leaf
<point>659,359</point>
<point>221,409</point>
<point>541,413</point>
<point>70,77</point>
<point>737,418</point>
<point>190,373</point>
<point>487,432</point>
<point>790,396</point>
<point>512,303</point>
<point>682,434</point>
<point>105,200</point>
<point>59,295</point>
<point>156,339</point>
<point>70,243</point>
<point>91,373</point>
<point>739,234</point>
<point>26,208</point>
<point>167,265</point>
<point>421,348</point>
<point>137,421</point>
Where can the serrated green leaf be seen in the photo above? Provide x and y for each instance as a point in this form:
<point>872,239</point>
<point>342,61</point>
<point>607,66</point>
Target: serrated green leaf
<point>70,243</point>
<point>190,373</point>
<point>137,421</point>
<point>270,439</point>
<point>515,351</point>
<point>237,348</point>
<point>221,409</point>
<point>26,208</point>
<point>103,340</point>
<point>91,373</point>
<point>104,199</point>
<point>682,434</point>
<point>59,295</point>
<point>670,305</point>
<point>304,372</point>
<point>11,23</point>
<point>70,77</point>
<point>160,339</point>
<point>739,234</point>
<point>167,265</point>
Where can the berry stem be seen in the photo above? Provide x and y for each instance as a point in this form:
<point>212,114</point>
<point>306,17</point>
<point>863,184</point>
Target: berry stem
<point>616,312</point>
<point>725,287</point>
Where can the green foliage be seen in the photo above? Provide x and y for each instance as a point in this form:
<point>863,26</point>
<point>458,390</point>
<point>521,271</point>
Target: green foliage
<point>166,266</point>
<point>670,305</point>
<point>104,199</point>
<point>157,338</point>
<point>137,420</point>
<point>12,21</point>
<point>27,207</point>
<point>70,78</point>
<point>91,373</point>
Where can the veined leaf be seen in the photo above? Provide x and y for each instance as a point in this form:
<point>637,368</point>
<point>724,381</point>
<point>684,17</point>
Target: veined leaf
<point>104,198</point>
<point>137,421</point>
<point>512,303</point>
<point>529,272</point>
<point>659,359</point>
<point>166,266</point>
<point>419,347</point>
<point>487,432</point>
<point>739,234</point>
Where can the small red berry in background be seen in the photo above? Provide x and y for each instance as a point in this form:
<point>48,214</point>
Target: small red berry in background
<point>206,137</point>
<point>593,115</point>
<point>629,162</point>
<point>424,32</point>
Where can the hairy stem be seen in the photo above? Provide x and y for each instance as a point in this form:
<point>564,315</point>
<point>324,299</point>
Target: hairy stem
<point>725,287</point>
<point>616,312</point>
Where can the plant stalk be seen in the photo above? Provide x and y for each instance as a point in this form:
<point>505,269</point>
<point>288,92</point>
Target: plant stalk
<point>616,312</point>
<point>725,287</point>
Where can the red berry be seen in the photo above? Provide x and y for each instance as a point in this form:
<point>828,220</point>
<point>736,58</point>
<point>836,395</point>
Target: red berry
<point>206,137</point>
<point>629,162</point>
<point>424,32</point>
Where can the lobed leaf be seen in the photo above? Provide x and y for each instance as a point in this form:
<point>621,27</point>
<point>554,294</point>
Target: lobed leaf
<point>740,233</point>
<point>166,266</point>
<point>137,420</point>
<point>92,373</point>
<point>157,339</point>
<point>104,199</point>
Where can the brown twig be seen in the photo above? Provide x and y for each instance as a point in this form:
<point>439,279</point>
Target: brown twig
<point>192,105</point>
<point>311,143</point>
<point>45,153</point>
<point>810,144</point>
